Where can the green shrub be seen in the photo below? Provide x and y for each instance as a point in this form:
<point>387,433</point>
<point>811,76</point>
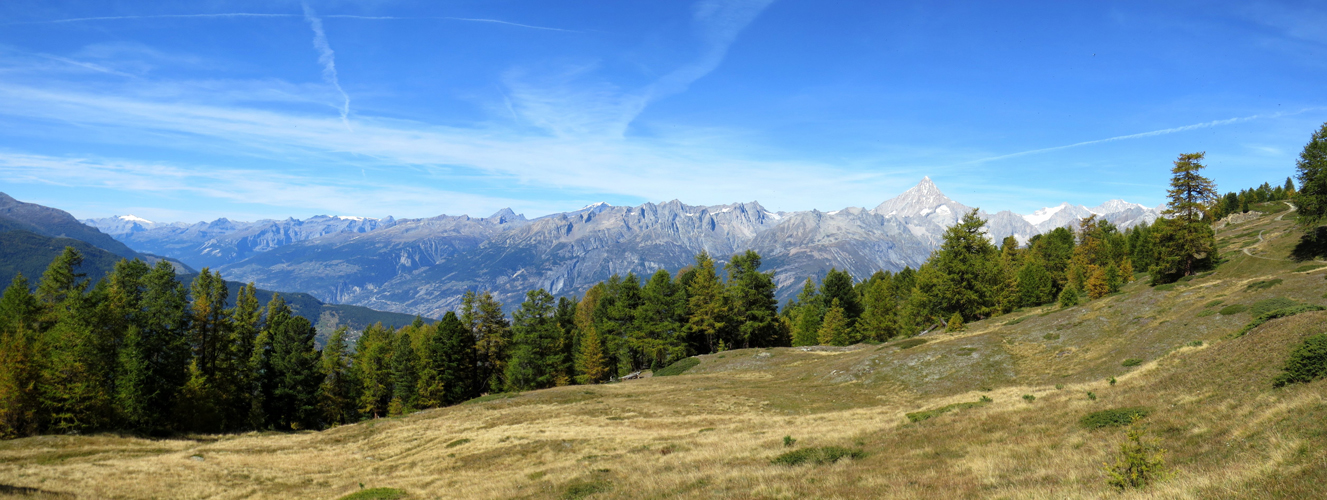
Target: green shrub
<point>1164,288</point>
<point>1068,297</point>
<point>1279,313</point>
<point>1059,387</point>
<point>1131,362</point>
<point>817,456</point>
<point>678,367</point>
<point>1265,306</point>
<point>1091,396</point>
<point>1051,336</point>
<point>910,343</point>
<point>1307,362</point>
<point>788,441</point>
<point>1029,398</point>
<point>1233,309</point>
<point>1206,312</point>
<point>1196,343</point>
<point>1213,303</point>
<point>919,416</point>
<point>457,442</point>
<point>1139,463</point>
<point>1262,284</point>
<point>1114,417</point>
<point>955,323</point>
<point>376,494</point>
<point>1112,381</point>
<point>985,399</point>
<point>580,488</point>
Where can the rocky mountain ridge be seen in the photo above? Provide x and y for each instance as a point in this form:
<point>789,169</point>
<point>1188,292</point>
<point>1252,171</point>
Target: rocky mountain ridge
<point>424,265</point>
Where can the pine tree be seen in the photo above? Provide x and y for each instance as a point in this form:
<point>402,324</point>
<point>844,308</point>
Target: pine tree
<point>405,378</point>
<point>19,357</point>
<point>837,285</point>
<point>657,333</point>
<point>1311,199</point>
<point>591,365</point>
<point>834,330</point>
<point>432,362</point>
<point>955,323</point>
<point>1097,284</point>
<point>337,393</point>
<point>754,305</point>
<point>492,340</point>
<point>155,357</point>
<point>235,377</point>
<point>372,365</point>
<point>196,410</point>
<point>295,375</point>
<point>457,370</point>
<point>878,321</point>
<point>565,317</point>
<point>807,316</point>
<point>1035,286</point>
<point>964,273</point>
<point>210,324</point>
<point>534,344</point>
<point>1185,240</point>
<point>707,303</point>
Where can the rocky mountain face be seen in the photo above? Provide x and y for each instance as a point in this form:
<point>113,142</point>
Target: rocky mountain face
<point>424,266</point>
<point>222,241</point>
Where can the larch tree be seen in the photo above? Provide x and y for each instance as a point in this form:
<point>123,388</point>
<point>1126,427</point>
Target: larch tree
<point>755,309</point>
<point>337,394</point>
<point>708,304</point>
<point>835,328</point>
<point>807,314</point>
<point>1311,198</point>
<point>535,349</point>
<point>1185,240</point>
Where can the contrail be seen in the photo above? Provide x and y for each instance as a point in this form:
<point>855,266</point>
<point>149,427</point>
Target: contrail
<point>157,16</point>
<point>328,59</point>
<point>467,19</point>
<point>1214,123</point>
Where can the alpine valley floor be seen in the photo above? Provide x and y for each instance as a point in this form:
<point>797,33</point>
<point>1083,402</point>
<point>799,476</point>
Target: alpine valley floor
<point>713,430</point>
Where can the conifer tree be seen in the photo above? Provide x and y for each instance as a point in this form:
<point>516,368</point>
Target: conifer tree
<point>955,323</point>
<point>1035,286</point>
<point>373,370</point>
<point>457,369</point>
<point>837,285</point>
<point>657,332</point>
<point>336,395</point>
<point>535,341</point>
<point>1185,240</point>
<point>754,306</point>
<point>155,356</point>
<point>565,317</point>
<point>492,340</point>
<point>1097,284</point>
<point>235,378</point>
<point>807,316</point>
<point>210,324</point>
<point>196,410</point>
<point>295,375</point>
<point>964,273</point>
<point>19,357</point>
<point>1311,199</point>
<point>432,361</point>
<point>405,380</point>
<point>707,303</point>
<point>878,321</point>
<point>591,365</point>
<point>834,329</point>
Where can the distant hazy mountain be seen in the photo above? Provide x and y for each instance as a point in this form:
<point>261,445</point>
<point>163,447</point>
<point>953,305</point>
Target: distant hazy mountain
<point>56,223</point>
<point>424,265</point>
<point>222,241</point>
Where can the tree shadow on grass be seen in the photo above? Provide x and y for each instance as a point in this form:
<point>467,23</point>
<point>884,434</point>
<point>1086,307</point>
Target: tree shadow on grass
<point>1313,245</point>
<point>26,492</point>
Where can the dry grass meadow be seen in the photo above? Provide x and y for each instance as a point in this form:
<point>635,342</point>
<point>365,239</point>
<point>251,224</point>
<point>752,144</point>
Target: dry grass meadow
<point>712,431</point>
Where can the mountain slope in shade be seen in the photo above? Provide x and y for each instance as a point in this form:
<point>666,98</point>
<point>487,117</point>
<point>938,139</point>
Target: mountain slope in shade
<point>56,223</point>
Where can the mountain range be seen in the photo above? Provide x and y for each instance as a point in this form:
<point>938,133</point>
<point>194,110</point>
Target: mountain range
<point>423,266</point>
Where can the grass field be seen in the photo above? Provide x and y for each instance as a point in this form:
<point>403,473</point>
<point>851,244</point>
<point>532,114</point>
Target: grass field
<point>718,429</point>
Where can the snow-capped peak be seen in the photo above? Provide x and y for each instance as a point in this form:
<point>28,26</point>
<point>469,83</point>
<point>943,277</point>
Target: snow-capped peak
<point>1114,206</point>
<point>134,218</point>
<point>352,217</point>
<point>1044,214</point>
<point>596,205</point>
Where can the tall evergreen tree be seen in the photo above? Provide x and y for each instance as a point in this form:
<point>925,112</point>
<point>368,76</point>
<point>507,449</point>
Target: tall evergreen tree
<point>492,339</point>
<point>657,333</point>
<point>210,324</point>
<point>565,317</point>
<point>432,361</point>
<point>707,303</point>
<point>457,369</point>
<point>235,378</point>
<point>1035,286</point>
<point>755,310</point>
<point>337,401</point>
<point>835,330</point>
<point>535,344</point>
<point>295,373</point>
<point>19,358</point>
<point>591,364</point>
<point>155,357</point>
<point>373,370</point>
<point>965,273</point>
<point>837,285</point>
<point>405,377</point>
<point>1185,240</point>
<point>1311,199</point>
<point>806,318</point>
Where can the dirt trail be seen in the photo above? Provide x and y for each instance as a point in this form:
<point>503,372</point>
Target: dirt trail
<point>1260,239</point>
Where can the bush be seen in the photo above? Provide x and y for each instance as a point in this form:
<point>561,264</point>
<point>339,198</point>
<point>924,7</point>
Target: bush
<point>928,414</point>
<point>578,489</point>
<point>1139,463</point>
<point>955,323</point>
<point>817,456</point>
<point>1051,336</point>
<point>376,494</point>
<point>1091,396</point>
<point>910,343</point>
<point>1131,362</point>
<point>1068,297</point>
<point>1114,417</point>
<point>1206,312</point>
<point>1265,306</point>
<point>1165,288</point>
<point>678,367</point>
<point>1029,398</point>
<point>1233,309</point>
<point>1307,362</point>
<point>788,441</point>
<point>1279,313</point>
<point>1262,284</point>
<point>1213,303</point>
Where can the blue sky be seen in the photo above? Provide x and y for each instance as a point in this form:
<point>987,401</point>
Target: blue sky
<point>197,110</point>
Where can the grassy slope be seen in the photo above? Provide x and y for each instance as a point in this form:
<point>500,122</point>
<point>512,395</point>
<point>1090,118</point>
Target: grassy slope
<point>713,430</point>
